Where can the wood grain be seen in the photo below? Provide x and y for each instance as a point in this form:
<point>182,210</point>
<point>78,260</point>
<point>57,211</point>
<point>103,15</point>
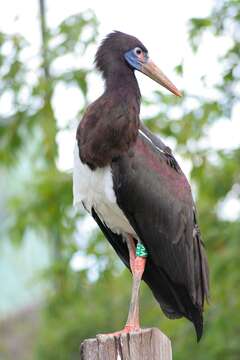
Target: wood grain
<point>147,344</point>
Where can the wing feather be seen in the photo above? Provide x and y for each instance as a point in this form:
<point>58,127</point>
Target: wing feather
<point>156,198</point>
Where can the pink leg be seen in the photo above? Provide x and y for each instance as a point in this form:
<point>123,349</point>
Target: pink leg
<point>137,265</point>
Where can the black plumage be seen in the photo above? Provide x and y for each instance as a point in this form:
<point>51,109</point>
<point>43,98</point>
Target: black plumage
<point>150,187</point>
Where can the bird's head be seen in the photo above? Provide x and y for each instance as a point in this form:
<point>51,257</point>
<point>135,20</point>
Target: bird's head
<point>119,49</point>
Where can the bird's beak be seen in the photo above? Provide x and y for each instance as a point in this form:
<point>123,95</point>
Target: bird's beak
<point>151,70</point>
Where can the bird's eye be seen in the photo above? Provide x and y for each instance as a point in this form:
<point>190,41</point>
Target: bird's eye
<point>138,51</point>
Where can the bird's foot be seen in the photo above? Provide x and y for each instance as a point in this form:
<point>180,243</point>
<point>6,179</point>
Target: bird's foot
<point>126,330</point>
<point>131,328</point>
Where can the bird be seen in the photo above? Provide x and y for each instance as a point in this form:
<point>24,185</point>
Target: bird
<point>133,187</point>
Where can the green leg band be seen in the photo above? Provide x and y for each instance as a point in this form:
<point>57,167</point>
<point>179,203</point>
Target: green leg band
<point>141,250</point>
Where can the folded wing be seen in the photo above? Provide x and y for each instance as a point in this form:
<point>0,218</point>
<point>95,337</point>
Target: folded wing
<point>156,198</point>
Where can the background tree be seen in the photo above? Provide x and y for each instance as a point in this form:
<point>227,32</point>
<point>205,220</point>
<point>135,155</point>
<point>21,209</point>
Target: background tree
<point>78,304</point>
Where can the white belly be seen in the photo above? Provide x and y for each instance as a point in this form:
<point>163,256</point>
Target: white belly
<point>94,188</point>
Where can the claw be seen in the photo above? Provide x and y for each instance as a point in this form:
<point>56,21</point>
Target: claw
<point>126,330</point>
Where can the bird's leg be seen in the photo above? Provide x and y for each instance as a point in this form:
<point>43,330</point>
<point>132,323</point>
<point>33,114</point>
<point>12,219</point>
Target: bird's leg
<point>137,265</point>
<point>137,260</point>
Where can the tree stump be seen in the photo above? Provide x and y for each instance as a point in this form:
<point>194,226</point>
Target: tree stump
<point>147,344</point>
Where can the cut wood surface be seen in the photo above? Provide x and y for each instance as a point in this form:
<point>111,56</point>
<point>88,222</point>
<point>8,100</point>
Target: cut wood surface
<point>147,344</point>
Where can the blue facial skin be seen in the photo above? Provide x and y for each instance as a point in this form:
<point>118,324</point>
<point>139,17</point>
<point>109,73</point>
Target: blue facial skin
<point>133,60</point>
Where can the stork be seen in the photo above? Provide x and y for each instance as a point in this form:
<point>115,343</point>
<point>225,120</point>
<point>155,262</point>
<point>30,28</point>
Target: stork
<point>132,185</point>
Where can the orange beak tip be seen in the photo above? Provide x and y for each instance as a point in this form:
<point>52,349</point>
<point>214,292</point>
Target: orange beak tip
<point>152,71</point>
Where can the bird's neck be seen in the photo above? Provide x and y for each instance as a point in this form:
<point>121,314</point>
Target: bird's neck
<point>123,80</point>
<point>110,125</point>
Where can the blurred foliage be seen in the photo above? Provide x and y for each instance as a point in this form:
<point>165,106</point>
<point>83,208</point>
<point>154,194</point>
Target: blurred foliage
<point>79,305</point>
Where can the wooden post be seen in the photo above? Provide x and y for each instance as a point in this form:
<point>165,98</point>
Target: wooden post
<point>147,344</point>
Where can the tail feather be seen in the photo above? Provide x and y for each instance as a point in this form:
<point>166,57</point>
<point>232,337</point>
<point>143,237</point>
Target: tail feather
<point>173,299</point>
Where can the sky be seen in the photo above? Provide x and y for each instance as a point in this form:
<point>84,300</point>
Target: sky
<point>161,25</point>
<point>163,28</point>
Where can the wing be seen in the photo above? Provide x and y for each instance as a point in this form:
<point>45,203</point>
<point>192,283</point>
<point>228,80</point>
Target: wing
<point>156,198</point>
